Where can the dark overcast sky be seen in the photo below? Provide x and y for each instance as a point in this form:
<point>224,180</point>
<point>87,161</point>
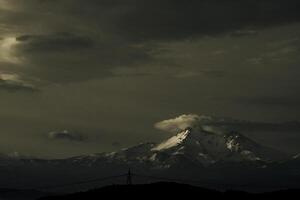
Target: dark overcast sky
<point>84,76</point>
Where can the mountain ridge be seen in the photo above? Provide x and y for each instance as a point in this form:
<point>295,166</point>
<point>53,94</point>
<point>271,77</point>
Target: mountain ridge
<point>205,152</point>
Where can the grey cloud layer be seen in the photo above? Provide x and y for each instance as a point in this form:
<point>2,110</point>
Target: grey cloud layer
<point>55,42</point>
<point>183,122</point>
<point>16,86</point>
<point>140,20</point>
<point>167,19</point>
<point>86,40</point>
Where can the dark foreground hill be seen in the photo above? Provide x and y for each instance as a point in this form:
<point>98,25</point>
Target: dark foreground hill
<point>169,190</point>
<point>14,194</point>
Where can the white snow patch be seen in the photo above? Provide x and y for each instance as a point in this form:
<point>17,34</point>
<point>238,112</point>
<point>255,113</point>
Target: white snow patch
<point>232,145</point>
<point>111,154</point>
<point>203,155</point>
<point>153,157</point>
<point>172,142</point>
<point>250,155</point>
<point>296,156</point>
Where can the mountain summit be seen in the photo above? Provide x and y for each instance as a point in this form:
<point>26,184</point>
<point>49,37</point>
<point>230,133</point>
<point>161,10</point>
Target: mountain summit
<point>209,145</point>
<point>200,141</point>
<point>201,147</point>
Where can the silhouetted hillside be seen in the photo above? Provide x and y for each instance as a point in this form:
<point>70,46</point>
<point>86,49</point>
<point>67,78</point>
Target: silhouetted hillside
<point>165,189</point>
<point>14,194</point>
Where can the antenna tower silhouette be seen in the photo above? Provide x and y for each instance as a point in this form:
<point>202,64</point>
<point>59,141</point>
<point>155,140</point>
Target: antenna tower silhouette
<point>129,178</point>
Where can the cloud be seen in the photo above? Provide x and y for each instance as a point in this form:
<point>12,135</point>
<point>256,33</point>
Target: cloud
<point>13,83</point>
<point>175,19</point>
<point>66,135</point>
<point>216,124</point>
<point>166,70</point>
<point>289,101</point>
<point>7,50</point>
<point>66,57</point>
<point>78,41</point>
<point>55,42</point>
<point>4,4</point>
<point>241,33</point>
<point>179,123</point>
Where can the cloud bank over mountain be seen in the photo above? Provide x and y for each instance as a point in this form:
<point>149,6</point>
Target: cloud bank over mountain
<point>179,123</point>
<point>205,122</point>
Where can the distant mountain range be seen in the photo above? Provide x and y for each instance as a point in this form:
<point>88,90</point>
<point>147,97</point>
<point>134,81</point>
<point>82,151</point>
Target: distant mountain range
<point>200,153</point>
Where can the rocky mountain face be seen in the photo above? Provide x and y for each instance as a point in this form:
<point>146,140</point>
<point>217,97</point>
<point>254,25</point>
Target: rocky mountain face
<point>202,152</point>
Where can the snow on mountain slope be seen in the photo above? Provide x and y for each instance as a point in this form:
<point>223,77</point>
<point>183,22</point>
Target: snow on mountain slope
<point>296,156</point>
<point>208,145</point>
<point>197,141</point>
<point>173,141</point>
<point>199,147</point>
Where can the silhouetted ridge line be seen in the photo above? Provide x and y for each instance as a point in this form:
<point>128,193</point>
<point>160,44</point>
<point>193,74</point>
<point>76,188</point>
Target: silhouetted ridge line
<point>130,176</point>
<point>170,190</point>
<point>81,182</point>
<point>167,179</point>
<point>159,178</point>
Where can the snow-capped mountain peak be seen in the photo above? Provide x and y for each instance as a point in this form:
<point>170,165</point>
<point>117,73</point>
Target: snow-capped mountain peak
<point>209,144</point>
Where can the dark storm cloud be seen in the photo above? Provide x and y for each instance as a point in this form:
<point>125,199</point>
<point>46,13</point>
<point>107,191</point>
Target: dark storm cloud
<point>55,42</point>
<point>241,33</point>
<point>174,19</point>
<point>287,101</point>
<point>67,41</point>
<point>15,86</point>
<point>67,135</point>
<point>66,57</point>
